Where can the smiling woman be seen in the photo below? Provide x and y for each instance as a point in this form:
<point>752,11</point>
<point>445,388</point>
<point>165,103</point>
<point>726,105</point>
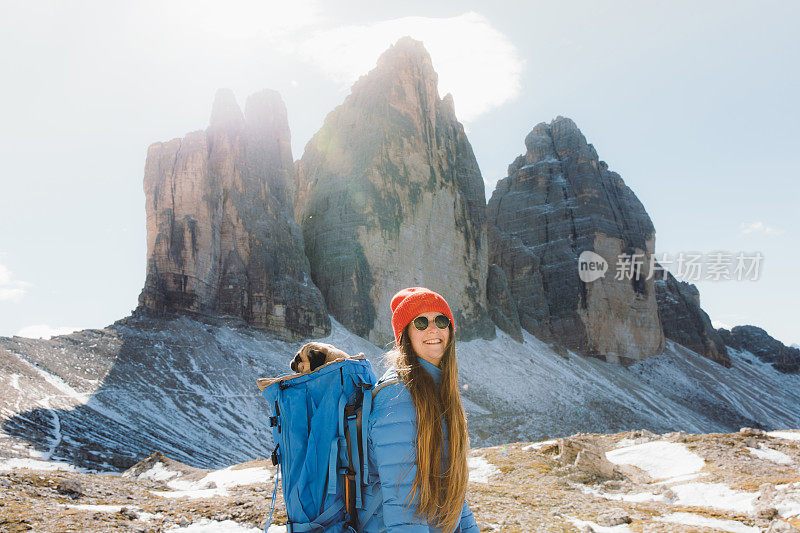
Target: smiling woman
<point>430,335</point>
<point>417,432</point>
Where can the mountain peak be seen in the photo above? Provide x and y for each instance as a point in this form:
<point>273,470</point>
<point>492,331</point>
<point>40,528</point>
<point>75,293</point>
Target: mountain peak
<point>404,76</point>
<point>220,234</point>
<point>409,50</point>
<point>558,201</point>
<point>225,113</point>
<point>385,163</point>
<point>265,111</point>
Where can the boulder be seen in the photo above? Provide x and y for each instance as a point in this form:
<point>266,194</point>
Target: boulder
<point>585,456</point>
<point>613,518</point>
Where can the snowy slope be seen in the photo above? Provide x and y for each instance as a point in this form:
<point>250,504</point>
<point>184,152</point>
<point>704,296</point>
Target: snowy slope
<point>106,398</point>
<point>542,394</point>
<point>180,386</point>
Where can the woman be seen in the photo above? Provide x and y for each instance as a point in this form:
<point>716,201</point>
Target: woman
<point>417,444</point>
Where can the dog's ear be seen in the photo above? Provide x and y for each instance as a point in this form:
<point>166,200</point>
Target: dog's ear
<point>316,358</point>
<point>297,361</point>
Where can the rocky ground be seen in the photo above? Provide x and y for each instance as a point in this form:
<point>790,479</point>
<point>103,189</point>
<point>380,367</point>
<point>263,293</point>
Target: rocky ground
<point>626,482</point>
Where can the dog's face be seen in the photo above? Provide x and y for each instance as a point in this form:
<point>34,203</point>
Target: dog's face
<point>308,359</point>
<point>315,354</point>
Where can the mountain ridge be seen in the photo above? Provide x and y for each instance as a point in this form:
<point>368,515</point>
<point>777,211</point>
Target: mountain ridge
<point>105,399</point>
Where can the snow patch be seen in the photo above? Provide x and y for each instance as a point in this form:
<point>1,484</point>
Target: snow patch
<point>659,459</point>
<point>538,445</point>
<point>34,464</point>
<point>480,469</point>
<point>769,454</point>
<point>691,519</point>
<point>59,384</point>
<point>639,497</point>
<point>787,501</point>
<point>191,494</point>
<point>678,479</point>
<point>226,526</point>
<point>225,478</point>
<point>158,472</point>
<point>97,508</point>
<point>212,484</point>
<point>230,477</point>
<point>789,435</point>
<point>577,522</point>
<point>716,495</point>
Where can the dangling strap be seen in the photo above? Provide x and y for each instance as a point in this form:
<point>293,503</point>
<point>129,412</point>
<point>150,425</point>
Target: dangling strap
<point>366,409</point>
<point>274,494</point>
<point>353,430</point>
<point>332,478</point>
<point>342,448</point>
<point>342,403</point>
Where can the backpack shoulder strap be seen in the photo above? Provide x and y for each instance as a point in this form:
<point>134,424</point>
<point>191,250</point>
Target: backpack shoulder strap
<point>381,385</point>
<point>363,431</point>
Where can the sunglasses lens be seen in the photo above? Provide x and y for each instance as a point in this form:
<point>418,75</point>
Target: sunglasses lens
<point>441,321</point>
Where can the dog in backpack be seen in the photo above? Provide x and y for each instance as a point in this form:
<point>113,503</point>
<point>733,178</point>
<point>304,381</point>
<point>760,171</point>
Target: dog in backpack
<point>313,355</point>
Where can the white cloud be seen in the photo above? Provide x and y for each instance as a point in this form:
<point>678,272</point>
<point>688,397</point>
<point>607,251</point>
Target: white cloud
<point>240,19</point>
<point>43,331</point>
<point>758,227</point>
<point>476,62</point>
<point>11,290</point>
<point>5,275</point>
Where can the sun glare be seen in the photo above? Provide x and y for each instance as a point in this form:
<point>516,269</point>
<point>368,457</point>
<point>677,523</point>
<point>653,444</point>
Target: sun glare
<point>244,19</point>
<point>475,61</point>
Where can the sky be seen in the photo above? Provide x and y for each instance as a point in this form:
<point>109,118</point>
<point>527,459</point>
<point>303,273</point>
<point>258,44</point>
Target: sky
<point>694,104</point>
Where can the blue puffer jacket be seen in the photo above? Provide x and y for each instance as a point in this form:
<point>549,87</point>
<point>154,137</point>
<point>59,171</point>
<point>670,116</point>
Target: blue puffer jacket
<point>392,464</point>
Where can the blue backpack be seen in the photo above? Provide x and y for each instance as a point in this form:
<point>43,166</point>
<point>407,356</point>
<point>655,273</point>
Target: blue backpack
<point>316,427</point>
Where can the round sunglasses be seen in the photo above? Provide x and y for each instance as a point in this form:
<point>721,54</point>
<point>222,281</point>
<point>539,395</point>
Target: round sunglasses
<point>441,321</point>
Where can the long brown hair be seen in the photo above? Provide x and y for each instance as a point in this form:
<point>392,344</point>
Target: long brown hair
<point>440,494</point>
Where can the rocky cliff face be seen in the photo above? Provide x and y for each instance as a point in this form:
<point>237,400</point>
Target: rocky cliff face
<point>558,201</point>
<point>768,349</point>
<point>390,195</point>
<point>685,322</point>
<point>221,236</point>
<point>502,307</point>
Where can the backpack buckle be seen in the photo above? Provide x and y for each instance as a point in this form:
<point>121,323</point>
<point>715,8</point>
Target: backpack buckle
<point>275,458</point>
<point>273,421</point>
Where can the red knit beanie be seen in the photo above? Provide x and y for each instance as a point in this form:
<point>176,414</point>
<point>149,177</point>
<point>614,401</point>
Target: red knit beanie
<point>412,302</point>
